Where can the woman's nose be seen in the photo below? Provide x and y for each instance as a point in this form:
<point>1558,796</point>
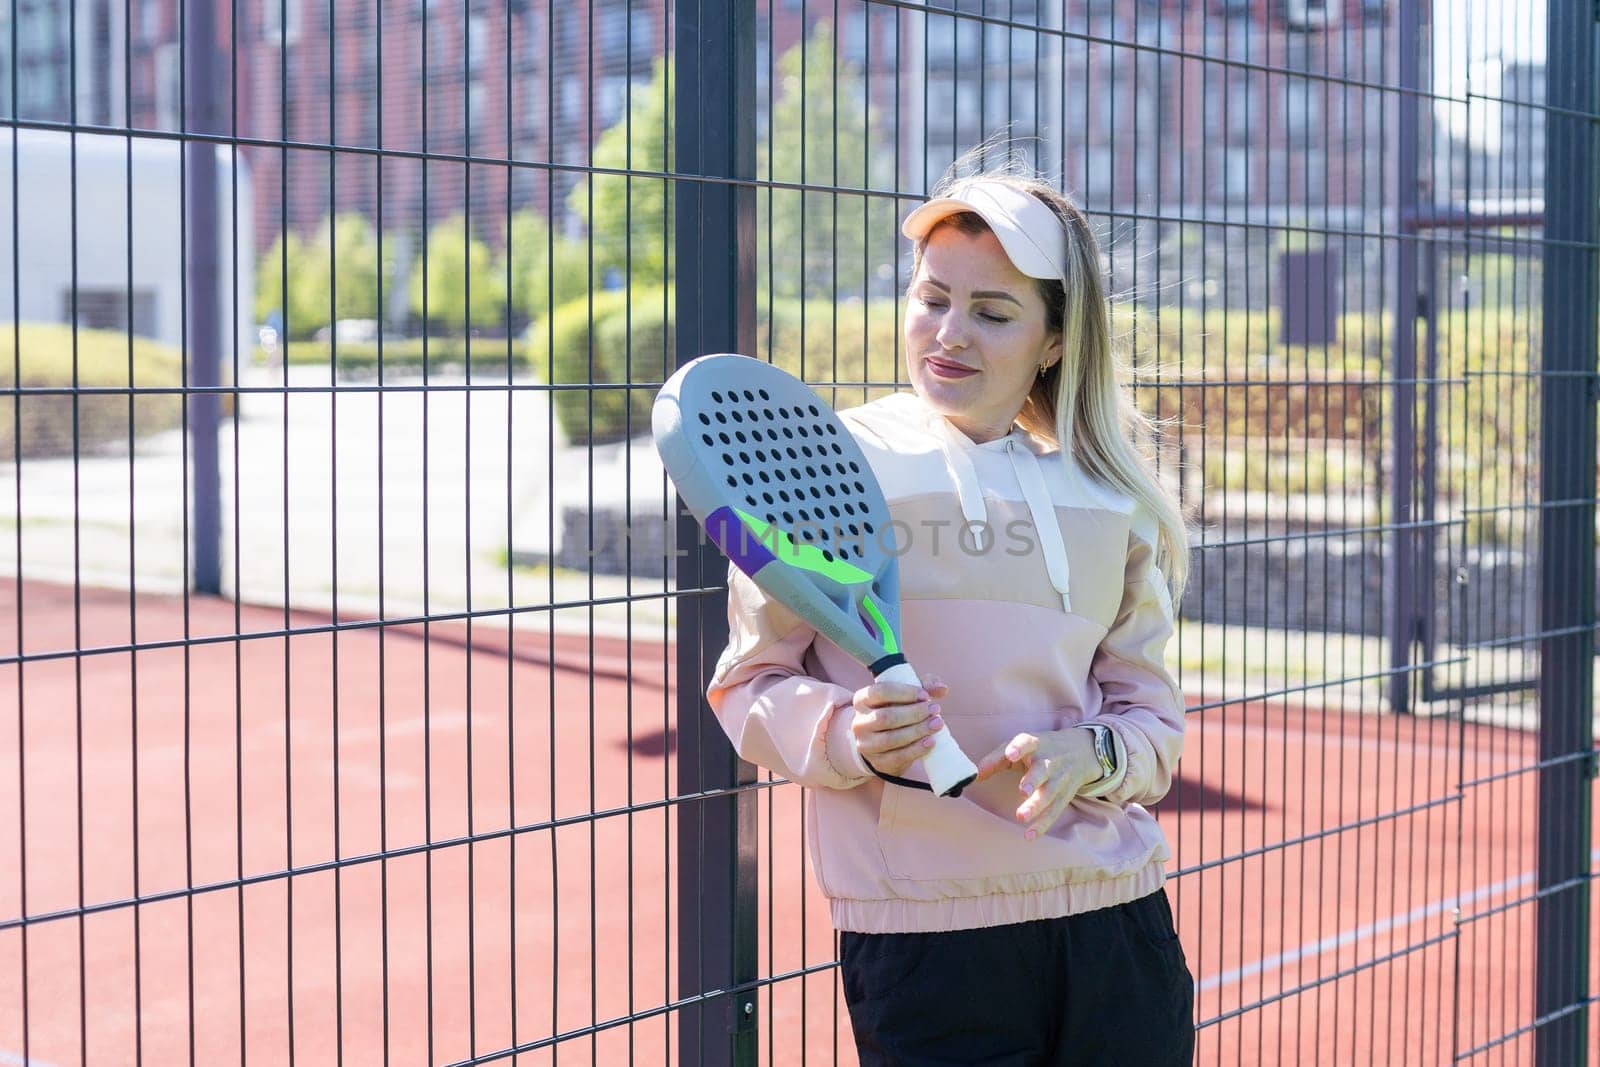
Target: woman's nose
<point>950,334</point>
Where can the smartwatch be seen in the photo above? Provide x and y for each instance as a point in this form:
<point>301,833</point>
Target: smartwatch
<point>1105,748</point>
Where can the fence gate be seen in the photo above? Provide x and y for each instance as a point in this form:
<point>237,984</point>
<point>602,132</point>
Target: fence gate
<point>351,689</point>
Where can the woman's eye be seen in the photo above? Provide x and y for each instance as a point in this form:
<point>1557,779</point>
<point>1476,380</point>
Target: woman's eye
<point>989,316</point>
<point>932,304</point>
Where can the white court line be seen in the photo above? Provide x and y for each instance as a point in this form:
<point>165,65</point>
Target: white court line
<point>1361,933</point>
<point>14,1059</point>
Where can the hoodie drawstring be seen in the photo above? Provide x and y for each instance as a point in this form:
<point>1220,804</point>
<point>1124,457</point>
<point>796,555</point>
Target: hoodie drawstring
<point>968,489</point>
<point>1043,513</point>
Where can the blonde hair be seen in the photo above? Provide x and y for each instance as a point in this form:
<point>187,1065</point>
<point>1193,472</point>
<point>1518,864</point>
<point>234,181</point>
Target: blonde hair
<point>1079,403</point>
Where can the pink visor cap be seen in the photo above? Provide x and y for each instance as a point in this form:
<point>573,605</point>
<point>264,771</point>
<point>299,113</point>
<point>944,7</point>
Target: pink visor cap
<point>1029,231</point>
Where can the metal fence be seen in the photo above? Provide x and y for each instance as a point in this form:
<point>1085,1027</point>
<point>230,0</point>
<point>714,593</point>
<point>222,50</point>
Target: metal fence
<point>353,696</point>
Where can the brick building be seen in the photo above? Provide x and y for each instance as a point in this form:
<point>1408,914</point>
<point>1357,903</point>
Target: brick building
<point>1114,94</point>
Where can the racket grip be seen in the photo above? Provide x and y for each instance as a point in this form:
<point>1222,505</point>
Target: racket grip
<point>949,769</point>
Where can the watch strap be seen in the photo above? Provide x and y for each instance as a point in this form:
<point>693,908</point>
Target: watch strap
<point>1105,752</point>
<point>1104,749</point>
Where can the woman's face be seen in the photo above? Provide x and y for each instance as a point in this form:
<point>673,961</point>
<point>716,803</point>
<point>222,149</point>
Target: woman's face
<point>975,333</point>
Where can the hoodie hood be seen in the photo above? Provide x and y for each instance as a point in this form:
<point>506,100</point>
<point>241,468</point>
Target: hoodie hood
<point>1017,466</point>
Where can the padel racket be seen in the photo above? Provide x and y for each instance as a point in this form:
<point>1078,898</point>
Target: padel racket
<point>785,492</point>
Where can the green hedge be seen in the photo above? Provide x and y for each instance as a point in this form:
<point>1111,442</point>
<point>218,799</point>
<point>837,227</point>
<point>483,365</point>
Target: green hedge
<point>405,354</point>
<point>613,341</point>
<point>825,342</point>
<point>1343,393</point>
<point>606,339</point>
<point>46,427</point>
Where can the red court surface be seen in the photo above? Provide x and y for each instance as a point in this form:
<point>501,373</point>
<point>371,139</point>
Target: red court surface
<point>219,764</point>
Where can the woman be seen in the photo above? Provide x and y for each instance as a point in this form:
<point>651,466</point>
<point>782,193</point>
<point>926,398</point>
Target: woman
<point>1025,921</point>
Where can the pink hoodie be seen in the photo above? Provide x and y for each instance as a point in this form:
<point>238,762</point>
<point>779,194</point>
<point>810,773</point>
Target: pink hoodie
<point>1058,616</point>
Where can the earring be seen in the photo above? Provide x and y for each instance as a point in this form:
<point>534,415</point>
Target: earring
<point>1042,368</point>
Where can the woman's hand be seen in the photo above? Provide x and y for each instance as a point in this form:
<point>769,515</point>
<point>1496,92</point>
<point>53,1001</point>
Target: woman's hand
<point>894,723</point>
<point>1055,767</point>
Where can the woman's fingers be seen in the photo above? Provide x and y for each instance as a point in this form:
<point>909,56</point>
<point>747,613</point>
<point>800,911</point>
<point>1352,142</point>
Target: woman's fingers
<point>872,719</point>
<point>894,723</point>
<point>1052,806</point>
<point>890,694</point>
<point>892,740</point>
<point>1056,772</point>
<point>1020,749</point>
<point>1039,770</point>
<point>1017,752</point>
<point>1047,783</point>
<point>899,761</point>
<point>891,743</point>
<point>1038,797</point>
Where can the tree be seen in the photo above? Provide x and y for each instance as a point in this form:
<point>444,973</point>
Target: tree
<point>624,205</point>
<point>456,262</point>
<point>825,244</point>
<point>546,271</point>
<point>353,273</point>
<point>350,274</point>
<point>305,309</point>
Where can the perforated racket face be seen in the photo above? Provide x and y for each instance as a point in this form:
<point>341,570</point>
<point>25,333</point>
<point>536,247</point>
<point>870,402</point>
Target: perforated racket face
<point>779,454</point>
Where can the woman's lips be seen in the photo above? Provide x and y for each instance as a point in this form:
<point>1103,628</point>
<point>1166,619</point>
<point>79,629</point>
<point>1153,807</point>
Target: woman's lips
<point>946,369</point>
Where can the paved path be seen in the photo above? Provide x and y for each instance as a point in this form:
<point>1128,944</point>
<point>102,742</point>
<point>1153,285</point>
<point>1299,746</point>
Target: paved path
<point>413,495</point>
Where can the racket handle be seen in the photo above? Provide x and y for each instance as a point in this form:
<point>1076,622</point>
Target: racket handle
<point>949,769</point>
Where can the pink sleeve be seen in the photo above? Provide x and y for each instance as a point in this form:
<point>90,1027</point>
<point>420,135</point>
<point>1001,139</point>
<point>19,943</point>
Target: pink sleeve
<point>776,715</point>
<point>1141,703</point>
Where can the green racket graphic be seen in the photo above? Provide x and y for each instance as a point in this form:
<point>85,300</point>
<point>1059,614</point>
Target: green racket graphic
<point>785,492</point>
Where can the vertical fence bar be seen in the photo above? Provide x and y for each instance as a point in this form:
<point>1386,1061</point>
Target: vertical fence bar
<point>206,98</point>
<point>714,137</point>
<point>1567,537</point>
<point>1403,630</point>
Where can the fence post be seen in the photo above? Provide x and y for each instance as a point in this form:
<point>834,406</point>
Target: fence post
<point>1567,539</point>
<point>1402,560</point>
<point>714,244</point>
<point>204,355</point>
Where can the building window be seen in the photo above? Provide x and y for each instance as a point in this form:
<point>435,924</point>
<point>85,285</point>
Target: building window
<point>643,46</point>
<point>611,36</point>
<point>477,42</point>
<point>1235,174</point>
<point>150,22</point>
<point>1228,108</point>
<point>938,42</point>
<point>280,21</point>
<point>107,309</point>
<point>535,44</point>
<point>853,38</point>
<point>1302,110</point>
<point>477,103</point>
<point>610,97</point>
<point>570,97</point>
<point>1099,176</point>
<point>168,86</point>
<point>40,42</point>
<point>968,32</point>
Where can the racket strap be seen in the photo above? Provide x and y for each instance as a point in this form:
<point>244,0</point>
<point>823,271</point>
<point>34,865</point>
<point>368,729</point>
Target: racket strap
<point>896,780</point>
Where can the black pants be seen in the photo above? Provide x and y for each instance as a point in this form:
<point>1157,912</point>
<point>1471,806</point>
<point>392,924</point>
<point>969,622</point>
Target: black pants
<point>1105,987</point>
